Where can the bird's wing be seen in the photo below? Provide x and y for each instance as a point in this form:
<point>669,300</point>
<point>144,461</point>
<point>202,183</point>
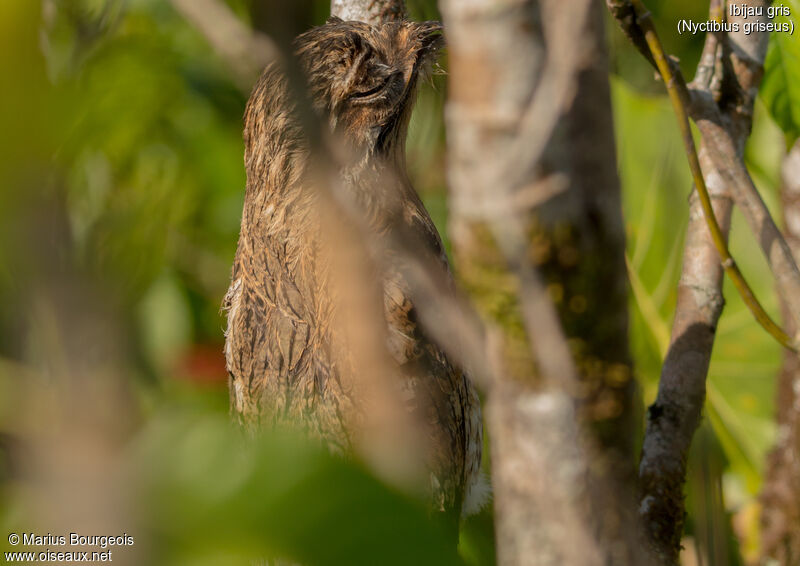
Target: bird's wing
<point>437,388</point>
<point>276,341</point>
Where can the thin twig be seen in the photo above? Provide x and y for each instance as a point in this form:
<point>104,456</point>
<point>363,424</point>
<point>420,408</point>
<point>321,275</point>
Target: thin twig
<point>675,87</point>
<point>722,97</point>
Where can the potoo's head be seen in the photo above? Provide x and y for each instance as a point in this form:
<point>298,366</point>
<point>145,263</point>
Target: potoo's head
<point>364,77</point>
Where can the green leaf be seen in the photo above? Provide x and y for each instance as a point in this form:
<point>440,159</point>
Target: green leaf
<point>214,497</point>
<point>780,89</point>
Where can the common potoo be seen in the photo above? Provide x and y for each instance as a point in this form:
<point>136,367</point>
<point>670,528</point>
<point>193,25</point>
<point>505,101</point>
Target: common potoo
<point>282,336</point>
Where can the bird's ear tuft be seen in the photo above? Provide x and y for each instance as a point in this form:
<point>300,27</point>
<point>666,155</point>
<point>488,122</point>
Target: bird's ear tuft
<point>430,35</point>
<point>335,20</point>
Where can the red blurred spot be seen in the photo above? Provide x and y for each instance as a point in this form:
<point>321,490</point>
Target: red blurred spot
<point>203,364</point>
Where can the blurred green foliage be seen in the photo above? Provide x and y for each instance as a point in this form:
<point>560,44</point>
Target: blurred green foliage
<point>120,116</point>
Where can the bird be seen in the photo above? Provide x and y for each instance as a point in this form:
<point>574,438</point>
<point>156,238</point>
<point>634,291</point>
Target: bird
<point>282,332</point>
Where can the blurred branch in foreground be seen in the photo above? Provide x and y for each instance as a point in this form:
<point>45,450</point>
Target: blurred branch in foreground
<point>246,52</point>
<point>542,257</point>
<point>96,454</point>
<point>319,330</point>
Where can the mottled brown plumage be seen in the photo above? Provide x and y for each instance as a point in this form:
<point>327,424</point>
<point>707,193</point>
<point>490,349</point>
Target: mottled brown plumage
<point>284,349</point>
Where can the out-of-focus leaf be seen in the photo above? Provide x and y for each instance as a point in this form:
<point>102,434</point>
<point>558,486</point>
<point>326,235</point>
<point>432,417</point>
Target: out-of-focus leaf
<point>658,327</point>
<point>476,544</point>
<point>744,438</point>
<point>213,491</point>
<point>165,321</point>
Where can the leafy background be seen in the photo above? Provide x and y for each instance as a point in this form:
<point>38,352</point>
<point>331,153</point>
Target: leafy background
<point>146,185</point>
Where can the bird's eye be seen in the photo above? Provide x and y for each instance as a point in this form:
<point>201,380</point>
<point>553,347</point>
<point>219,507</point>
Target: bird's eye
<point>373,90</point>
<point>379,86</point>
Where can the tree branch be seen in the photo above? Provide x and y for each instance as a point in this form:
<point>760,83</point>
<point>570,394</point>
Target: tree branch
<point>529,93</point>
<point>675,415</point>
<point>728,89</point>
<point>725,128</point>
<point>724,154</point>
<point>676,87</point>
<point>244,51</point>
<point>370,11</point>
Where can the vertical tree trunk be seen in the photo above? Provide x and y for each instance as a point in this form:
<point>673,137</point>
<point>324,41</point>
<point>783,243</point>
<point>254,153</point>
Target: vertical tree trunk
<point>534,193</point>
<point>370,11</point>
<point>781,496</point>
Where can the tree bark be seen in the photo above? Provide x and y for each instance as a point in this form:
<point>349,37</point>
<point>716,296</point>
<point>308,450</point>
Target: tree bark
<point>370,11</point>
<point>728,77</point>
<point>676,413</point>
<point>781,510</point>
<point>721,125</point>
<point>535,216</point>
